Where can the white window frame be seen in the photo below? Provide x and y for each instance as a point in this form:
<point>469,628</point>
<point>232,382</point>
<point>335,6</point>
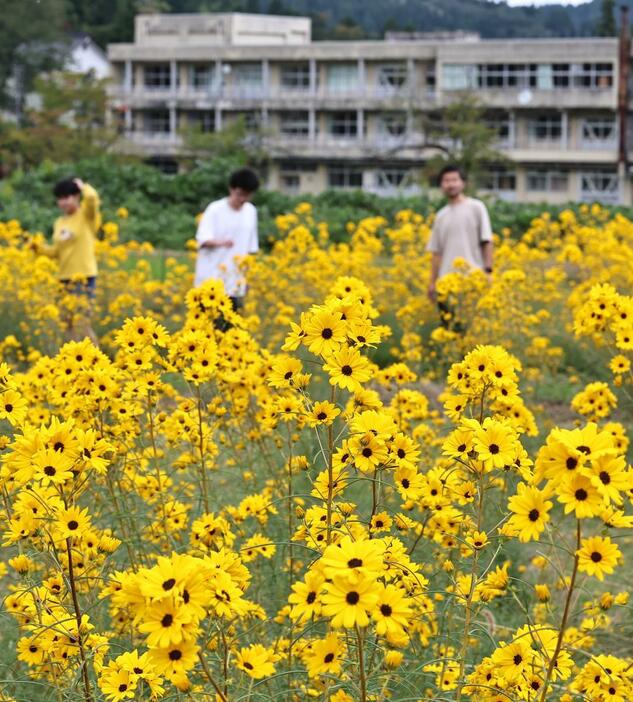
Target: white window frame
<point>546,129</point>
<point>207,72</point>
<point>342,78</point>
<point>553,181</point>
<point>497,182</point>
<point>347,121</point>
<point>294,77</point>
<point>350,177</point>
<point>295,124</point>
<point>157,76</point>
<point>151,118</point>
<point>599,132</point>
<point>600,185</point>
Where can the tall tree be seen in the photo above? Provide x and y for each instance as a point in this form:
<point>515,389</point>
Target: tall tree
<point>32,39</point>
<point>68,125</point>
<point>458,134</point>
<point>606,25</point>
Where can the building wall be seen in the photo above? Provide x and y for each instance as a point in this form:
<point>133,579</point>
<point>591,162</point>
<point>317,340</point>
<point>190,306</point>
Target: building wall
<point>553,116</point>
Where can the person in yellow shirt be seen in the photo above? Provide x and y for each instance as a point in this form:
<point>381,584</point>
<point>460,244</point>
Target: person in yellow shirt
<point>73,246</point>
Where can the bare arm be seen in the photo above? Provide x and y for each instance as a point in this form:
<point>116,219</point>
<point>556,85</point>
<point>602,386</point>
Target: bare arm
<point>486,251</point>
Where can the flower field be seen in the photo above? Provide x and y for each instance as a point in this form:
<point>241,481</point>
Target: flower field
<point>335,498</point>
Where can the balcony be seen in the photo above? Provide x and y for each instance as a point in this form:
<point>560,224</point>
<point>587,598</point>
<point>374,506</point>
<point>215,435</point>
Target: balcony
<point>255,93</point>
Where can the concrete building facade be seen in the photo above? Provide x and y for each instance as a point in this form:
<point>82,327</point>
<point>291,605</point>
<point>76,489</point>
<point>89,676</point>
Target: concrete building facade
<point>350,114</point>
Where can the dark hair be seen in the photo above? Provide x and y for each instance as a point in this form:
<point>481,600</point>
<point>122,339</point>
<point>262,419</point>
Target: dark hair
<point>244,178</point>
<point>65,188</point>
<point>450,168</point>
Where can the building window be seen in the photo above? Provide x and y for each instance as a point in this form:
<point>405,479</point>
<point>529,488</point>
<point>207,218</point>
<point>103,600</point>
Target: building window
<point>202,76</point>
<point>545,128</point>
<point>252,119</point>
<point>600,184</point>
<point>156,122</point>
<point>430,79</point>
<point>295,76</point>
<point>500,124</point>
<point>593,75</point>
<point>290,182</point>
<point>163,163</point>
<point>500,180</point>
<point>157,76</point>
<point>541,76</point>
<point>392,77</point>
<point>294,124</point>
<point>393,177</point>
<point>248,79</point>
<point>342,78</point>
<point>345,176</point>
<point>202,120</point>
<point>459,76</point>
<point>344,123</point>
<point>393,124</point>
<point>598,131</point>
<point>547,181</point>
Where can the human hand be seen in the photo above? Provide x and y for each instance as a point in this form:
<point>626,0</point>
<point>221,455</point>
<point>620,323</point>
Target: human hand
<point>79,183</point>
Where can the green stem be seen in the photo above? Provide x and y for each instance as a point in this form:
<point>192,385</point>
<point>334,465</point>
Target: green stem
<point>361,666</point>
<point>563,624</point>
<point>80,643</point>
<point>207,672</point>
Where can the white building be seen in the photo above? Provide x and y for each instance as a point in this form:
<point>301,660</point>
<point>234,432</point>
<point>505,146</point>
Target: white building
<point>348,114</point>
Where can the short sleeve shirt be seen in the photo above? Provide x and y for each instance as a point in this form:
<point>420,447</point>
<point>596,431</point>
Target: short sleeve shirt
<point>221,222</point>
<point>459,230</point>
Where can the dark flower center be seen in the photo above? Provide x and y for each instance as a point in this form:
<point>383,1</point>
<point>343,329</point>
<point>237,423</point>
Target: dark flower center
<point>346,370</point>
<point>493,448</point>
<point>167,620</point>
<point>352,597</point>
<point>581,494</point>
<point>533,515</point>
<point>596,557</point>
<point>385,610</point>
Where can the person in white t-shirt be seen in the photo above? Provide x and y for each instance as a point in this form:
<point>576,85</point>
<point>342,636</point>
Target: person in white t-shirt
<point>461,230</point>
<point>227,232</point>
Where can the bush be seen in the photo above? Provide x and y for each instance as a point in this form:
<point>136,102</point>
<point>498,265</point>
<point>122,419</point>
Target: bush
<point>163,207</point>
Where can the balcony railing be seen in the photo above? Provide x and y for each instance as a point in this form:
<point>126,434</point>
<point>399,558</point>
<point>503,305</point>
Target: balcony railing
<point>262,92</point>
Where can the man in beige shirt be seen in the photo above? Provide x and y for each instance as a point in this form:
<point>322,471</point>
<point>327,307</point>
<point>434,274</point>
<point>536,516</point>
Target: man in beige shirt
<point>461,230</point>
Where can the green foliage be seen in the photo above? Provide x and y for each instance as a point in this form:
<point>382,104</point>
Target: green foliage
<point>235,140</point>
<point>31,40</point>
<point>69,124</point>
<point>162,207</point>
<point>463,138</point>
<point>606,25</point>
